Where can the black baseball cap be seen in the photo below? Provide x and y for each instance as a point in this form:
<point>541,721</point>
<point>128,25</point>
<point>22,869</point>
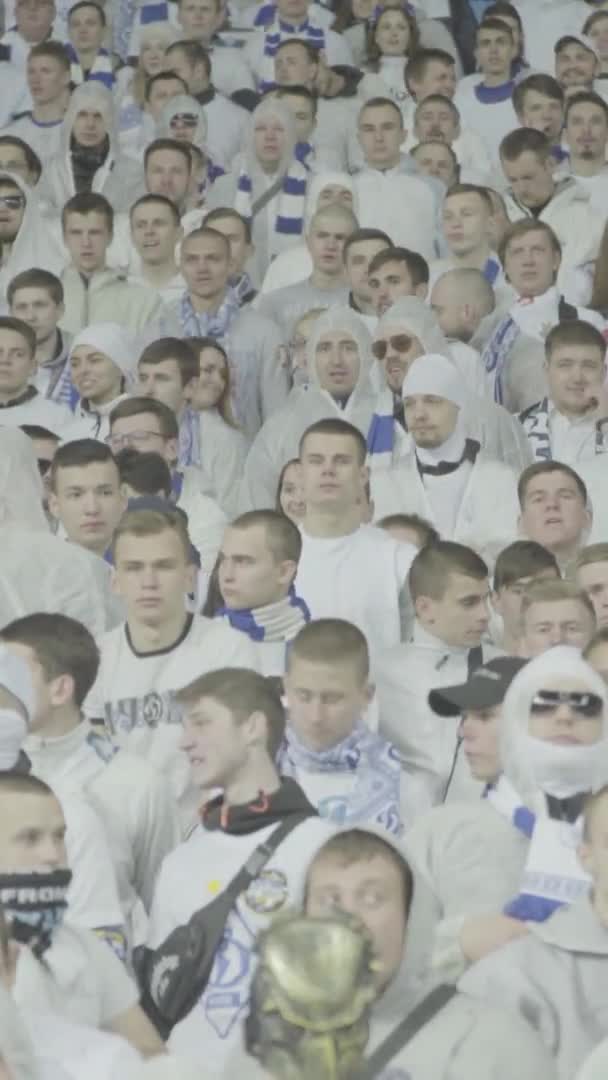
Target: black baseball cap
<point>485,688</point>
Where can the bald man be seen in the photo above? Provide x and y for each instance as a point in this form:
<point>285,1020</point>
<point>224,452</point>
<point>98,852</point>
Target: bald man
<point>461,299</point>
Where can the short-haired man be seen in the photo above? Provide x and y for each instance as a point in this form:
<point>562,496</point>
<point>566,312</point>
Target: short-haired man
<point>485,102</point>
<point>256,569</point>
<point>358,253</point>
<point>201,21</point>
<point>36,297</point>
<point>568,425</point>
<point>394,273</point>
<point>437,120</point>
<point>160,646</point>
<point>168,171</point>
<point>437,160</point>
<point>48,82</point>
<point>156,231</point>
<point>576,63</point>
<point>132,802</point>
<point>92,292</point>
<point>460,299</point>
<point>554,613</point>
<point>302,103</point>
<point>518,566</point>
<point>592,578</point>
<point>449,589</point>
<point>444,477</point>
<point>146,425</point>
<point>89,60</point>
<point>586,134</point>
<point>539,102</point>
<point>467,214</point>
<point>326,235</point>
<point>513,356</point>
<point>20,400</point>
<point>99,992</point>
<point>349,570</point>
<point>292,19</point>
<point>86,498</point>
<point>208,305</point>
<point>237,230</point>
<point>233,722</point>
<point>554,510</point>
<point>528,165</point>
<point>390,194</point>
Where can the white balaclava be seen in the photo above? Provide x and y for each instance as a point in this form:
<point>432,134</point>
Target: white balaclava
<point>116,343</point>
<point>535,767</point>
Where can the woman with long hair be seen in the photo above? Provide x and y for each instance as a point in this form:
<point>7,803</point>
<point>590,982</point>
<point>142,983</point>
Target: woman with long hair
<point>392,37</point>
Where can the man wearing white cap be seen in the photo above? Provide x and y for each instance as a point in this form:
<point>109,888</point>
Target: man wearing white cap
<point>102,368</point>
<point>445,478</point>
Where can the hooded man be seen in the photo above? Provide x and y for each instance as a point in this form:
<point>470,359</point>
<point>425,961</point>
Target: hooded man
<point>89,159</point>
<point>102,370</point>
<point>267,184</point>
<point>445,478</point>
<point>25,239</point>
<point>339,386</point>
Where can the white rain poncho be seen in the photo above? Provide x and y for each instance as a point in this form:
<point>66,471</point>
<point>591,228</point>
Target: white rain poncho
<point>120,179</point>
<point>182,104</point>
<point>34,247</point>
<point>279,439</point>
<point>296,264</point>
<point>21,490</point>
<point>499,434</point>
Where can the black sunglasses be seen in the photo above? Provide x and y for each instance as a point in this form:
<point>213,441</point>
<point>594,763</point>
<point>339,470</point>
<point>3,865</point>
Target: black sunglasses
<point>12,202</point>
<point>187,119</point>
<point>547,701</point>
<point>400,343</point>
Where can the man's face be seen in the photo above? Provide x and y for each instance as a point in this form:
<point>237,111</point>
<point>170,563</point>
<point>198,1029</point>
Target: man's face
<point>250,575</point>
<point>331,473</point>
<point>389,283</point>
<point>531,179</point>
<point>12,209</point>
<point>214,743</point>
<point>200,19</point>
<point>587,131</point>
<point>494,51</point>
<point>575,376</point>
<point>439,78</point>
<point>479,733</point>
<point>304,115</point>
<point>46,78</point>
<point>380,135</point>
<point>543,114</point>
<point>142,433</point>
<point>163,382</point>
<point>155,233</point>
<point>508,599</point>
<point>400,350</point>
<point>599,35</point>
<point>16,363</point>
<point>372,891</point>
<point>553,512</point>
<point>358,258</point>
<point>293,11</point>
<point>160,93</point>
<point>240,248</point>
<point>89,127</point>
<point>205,264</point>
<point>325,701</point>
<point>337,362</point>
<point>575,66</point>
<point>34,19</point>
<point>89,502</point>
<point>86,30</point>
<point>95,376</point>
<point>547,623</point>
<point>531,263</point>
<point>430,419</point>
<point>435,120</point>
<point>193,75</point>
<point>32,833</point>
<point>325,241</point>
<point>269,139</point>
<point>436,159</point>
<point>168,173</point>
<point>458,320</point>
<point>563,726</point>
<point>593,580</point>
<point>153,576</point>
<point>460,617</point>
<point>37,308</point>
<point>13,160</point>
<point>87,238</point>
<point>465,223</point>
<point>293,67</point>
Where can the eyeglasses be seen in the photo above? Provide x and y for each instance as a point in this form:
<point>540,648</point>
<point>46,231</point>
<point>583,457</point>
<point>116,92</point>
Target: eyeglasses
<point>185,119</point>
<point>135,438</point>
<point>590,706</point>
<point>399,342</point>
<point>12,202</point>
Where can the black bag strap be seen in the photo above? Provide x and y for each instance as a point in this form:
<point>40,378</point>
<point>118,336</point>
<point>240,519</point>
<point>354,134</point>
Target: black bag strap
<point>384,1054</point>
<point>266,197</point>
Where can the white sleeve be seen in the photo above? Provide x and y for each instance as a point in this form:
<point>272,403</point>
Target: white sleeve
<point>116,990</point>
<point>93,893</point>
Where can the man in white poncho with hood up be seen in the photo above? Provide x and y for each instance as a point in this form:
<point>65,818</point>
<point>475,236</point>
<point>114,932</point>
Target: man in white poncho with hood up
<point>338,370</point>
<point>446,478</point>
<point>25,240</point>
<point>89,159</point>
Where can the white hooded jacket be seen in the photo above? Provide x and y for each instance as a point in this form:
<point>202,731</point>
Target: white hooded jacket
<point>34,247</point>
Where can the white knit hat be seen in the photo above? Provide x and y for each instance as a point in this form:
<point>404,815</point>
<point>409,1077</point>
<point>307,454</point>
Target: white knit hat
<point>113,341</point>
<point>434,374</point>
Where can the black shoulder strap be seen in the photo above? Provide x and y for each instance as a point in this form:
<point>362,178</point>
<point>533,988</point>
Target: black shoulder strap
<point>474,660</point>
<point>384,1054</point>
<point>267,196</point>
<point>262,854</point>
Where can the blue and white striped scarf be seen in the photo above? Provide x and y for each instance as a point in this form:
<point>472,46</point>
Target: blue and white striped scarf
<point>378,772</point>
<point>385,437</point>
<point>102,70</point>
<point>496,353</point>
<point>535,422</point>
<point>280,621</point>
<point>213,324</point>
<point>276,31</point>
<point>289,220</point>
<point>552,875</point>
<point>189,439</point>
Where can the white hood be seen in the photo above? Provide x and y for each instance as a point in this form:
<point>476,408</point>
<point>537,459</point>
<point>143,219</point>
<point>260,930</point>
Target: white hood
<point>34,246</point>
<point>90,95</point>
<point>183,103</point>
<point>346,320</point>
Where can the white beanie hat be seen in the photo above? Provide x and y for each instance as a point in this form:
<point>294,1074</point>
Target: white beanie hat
<point>113,341</point>
<point>434,374</point>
